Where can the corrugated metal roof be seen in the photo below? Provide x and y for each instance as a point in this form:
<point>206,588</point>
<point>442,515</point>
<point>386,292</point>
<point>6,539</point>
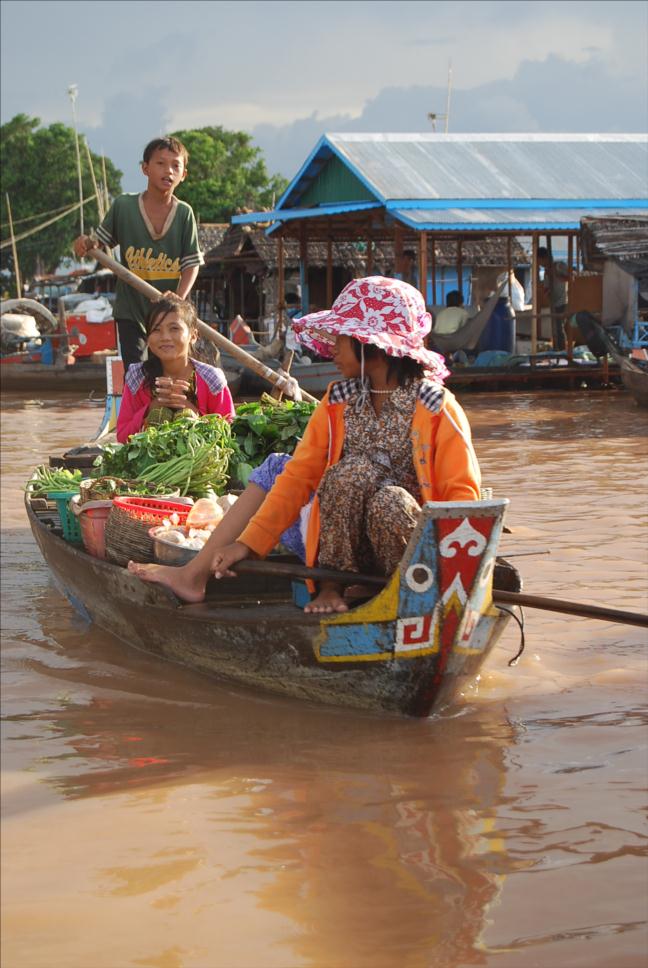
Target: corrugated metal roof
<point>494,219</point>
<point>487,166</point>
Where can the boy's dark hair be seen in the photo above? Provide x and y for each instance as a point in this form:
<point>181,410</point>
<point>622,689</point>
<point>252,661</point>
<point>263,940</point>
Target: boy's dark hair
<point>165,144</point>
<point>543,251</point>
<point>454,298</point>
<point>170,303</point>
<point>404,368</point>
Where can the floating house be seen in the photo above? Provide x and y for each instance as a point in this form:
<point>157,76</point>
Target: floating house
<point>417,192</point>
<point>242,269</point>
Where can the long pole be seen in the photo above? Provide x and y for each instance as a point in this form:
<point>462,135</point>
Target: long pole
<point>100,207</point>
<point>73,91</point>
<point>105,181</point>
<point>14,250</point>
<point>509,598</point>
<point>215,337</point>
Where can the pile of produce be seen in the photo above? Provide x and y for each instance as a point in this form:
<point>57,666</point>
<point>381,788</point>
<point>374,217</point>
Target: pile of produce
<point>201,455</point>
<point>265,427</point>
<point>186,453</point>
<point>201,521</point>
<point>47,479</point>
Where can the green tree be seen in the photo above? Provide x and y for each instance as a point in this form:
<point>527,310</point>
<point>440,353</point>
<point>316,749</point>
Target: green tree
<point>39,173</point>
<point>226,173</point>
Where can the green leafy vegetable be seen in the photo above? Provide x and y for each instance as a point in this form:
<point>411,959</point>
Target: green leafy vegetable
<point>47,479</point>
<point>264,427</point>
<point>189,453</point>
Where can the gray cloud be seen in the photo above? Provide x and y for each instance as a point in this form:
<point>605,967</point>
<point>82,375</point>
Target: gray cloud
<point>551,95</point>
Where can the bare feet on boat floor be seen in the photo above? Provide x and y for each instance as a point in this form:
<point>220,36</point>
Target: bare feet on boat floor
<point>184,586</point>
<point>329,599</point>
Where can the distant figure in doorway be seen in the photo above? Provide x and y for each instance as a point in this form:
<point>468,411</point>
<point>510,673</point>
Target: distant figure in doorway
<point>554,288</point>
<point>453,316</point>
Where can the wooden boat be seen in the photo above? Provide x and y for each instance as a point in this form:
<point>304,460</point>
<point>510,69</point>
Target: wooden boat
<point>634,371</point>
<point>20,374</point>
<point>408,650</point>
<point>635,378</point>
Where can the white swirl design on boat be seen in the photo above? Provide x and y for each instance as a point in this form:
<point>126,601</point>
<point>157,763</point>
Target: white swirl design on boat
<point>464,536</point>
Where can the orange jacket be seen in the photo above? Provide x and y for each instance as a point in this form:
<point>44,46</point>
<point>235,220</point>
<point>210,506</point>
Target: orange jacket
<point>444,459</point>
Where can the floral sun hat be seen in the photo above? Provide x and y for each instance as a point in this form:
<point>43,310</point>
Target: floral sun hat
<point>387,313</point>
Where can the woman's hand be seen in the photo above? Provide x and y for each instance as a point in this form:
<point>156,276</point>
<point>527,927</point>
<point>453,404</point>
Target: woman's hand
<point>225,557</point>
<point>173,393</point>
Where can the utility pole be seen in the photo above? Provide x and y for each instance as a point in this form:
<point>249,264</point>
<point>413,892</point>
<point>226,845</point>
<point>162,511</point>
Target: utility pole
<point>73,92</point>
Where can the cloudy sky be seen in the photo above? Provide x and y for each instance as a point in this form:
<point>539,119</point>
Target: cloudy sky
<point>288,70</point>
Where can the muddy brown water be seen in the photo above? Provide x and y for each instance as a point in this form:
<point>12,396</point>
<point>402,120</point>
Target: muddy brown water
<point>155,818</point>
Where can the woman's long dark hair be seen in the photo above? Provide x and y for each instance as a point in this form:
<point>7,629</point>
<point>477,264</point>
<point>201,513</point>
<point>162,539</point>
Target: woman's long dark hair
<point>404,368</point>
<point>170,303</point>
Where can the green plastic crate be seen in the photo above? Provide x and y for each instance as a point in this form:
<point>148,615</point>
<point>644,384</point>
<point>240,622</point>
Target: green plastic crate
<point>69,520</point>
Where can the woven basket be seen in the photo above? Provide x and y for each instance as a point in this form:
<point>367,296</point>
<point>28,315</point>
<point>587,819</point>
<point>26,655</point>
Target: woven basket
<point>127,537</point>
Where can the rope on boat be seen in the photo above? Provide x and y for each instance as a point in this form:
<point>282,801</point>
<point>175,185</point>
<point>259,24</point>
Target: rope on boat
<point>520,620</point>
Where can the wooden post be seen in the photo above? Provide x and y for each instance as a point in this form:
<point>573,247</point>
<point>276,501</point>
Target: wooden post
<point>433,269</point>
<point>460,265</point>
<point>509,267</point>
<point>369,261</point>
<point>14,251</point>
<point>535,294</point>
<point>329,272</point>
<point>423,264</point>
<point>568,329</point>
<point>105,182</point>
<point>303,268</point>
<point>398,251</point>
<point>281,284</point>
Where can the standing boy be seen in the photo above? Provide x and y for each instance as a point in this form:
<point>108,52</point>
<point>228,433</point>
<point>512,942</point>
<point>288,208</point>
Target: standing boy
<point>157,237</point>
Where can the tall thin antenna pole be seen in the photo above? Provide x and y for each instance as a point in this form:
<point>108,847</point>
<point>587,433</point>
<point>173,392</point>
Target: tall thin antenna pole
<point>73,91</point>
<point>447,115</point>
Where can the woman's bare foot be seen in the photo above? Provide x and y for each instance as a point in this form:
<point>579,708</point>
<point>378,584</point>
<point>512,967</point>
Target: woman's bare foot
<point>182,582</point>
<point>328,600</point>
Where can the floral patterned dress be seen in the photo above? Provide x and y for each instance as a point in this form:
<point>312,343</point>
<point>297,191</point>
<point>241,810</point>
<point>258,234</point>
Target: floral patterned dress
<point>370,499</point>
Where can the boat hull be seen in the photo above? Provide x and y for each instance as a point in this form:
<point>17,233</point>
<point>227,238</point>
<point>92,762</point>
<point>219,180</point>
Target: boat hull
<point>635,380</point>
<point>371,658</point>
<point>41,376</point>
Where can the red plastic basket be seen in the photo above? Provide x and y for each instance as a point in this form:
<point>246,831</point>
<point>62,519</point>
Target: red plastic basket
<point>152,510</point>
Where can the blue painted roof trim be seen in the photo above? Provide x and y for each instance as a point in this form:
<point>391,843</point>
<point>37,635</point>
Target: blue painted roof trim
<point>514,203</point>
<point>290,214</point>
<point>518,225</point>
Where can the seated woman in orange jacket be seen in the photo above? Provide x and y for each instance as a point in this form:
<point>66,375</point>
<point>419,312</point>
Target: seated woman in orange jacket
<point>382,442</point>
<point>169,381</point>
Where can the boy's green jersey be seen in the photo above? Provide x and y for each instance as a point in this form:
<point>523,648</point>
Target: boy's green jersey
<point>159,259</point>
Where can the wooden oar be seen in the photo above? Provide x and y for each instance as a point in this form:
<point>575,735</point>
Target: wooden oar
<point>499,597</point>
<point>211,334</point>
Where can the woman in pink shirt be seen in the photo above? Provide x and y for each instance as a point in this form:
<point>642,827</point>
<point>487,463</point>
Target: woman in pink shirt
<point>170,381</point>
